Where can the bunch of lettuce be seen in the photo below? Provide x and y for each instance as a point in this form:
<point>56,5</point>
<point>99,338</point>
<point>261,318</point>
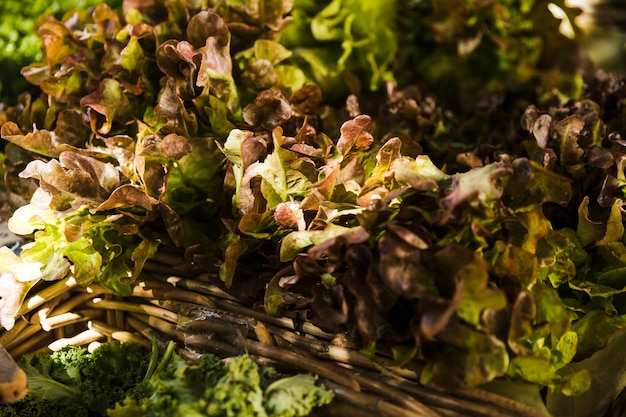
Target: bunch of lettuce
<point>122,136</point>
<point>19,43</point>
<point>457,269</point>
<point>339,38</point>
<point>123,379</point>
<point>468,50</point>
<point>471,242</point>
<point>507,269</point>
<point>120,153</point>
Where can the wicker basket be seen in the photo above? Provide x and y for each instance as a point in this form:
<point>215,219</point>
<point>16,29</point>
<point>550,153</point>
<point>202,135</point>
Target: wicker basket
<point>202,317</point>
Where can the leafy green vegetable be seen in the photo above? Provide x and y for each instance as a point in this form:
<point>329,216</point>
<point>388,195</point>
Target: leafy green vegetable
<point>111,141</point>
<point>466,50</point>
<point>19,43</point>
<point>75,382</point>
<point>122,379</point>
<point>337,36</point>
<point>607,380</point>
<point>237,387</point>
<point>460,201</point>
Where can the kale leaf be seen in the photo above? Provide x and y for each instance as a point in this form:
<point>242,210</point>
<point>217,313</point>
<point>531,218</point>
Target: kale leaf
<point>124,379</point>
<point>75,382</point>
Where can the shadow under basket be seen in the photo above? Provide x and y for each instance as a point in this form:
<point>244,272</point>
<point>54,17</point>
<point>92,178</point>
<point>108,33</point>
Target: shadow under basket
<point>201,317</point>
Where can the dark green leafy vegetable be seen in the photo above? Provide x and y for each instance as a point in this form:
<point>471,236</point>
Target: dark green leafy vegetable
<point>238,387</point>
<point>123,379</point>
<point>74,382</point>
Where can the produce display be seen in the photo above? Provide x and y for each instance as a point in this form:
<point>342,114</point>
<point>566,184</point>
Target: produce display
<point>443,180</point>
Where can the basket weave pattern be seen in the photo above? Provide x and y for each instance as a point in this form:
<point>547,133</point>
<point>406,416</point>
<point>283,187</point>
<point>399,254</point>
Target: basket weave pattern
<point>202,317</point>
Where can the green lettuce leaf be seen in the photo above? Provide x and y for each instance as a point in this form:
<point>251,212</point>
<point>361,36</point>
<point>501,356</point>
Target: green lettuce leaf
<point>339,35</point>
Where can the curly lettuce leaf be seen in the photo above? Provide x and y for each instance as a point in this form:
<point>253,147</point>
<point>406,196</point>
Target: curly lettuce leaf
<point>338,36</point>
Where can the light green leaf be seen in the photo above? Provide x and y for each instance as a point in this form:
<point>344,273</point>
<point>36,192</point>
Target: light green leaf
<point>295,242</point>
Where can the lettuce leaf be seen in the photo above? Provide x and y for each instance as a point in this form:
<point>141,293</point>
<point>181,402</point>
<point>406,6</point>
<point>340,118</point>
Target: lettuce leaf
<point>343,36</point>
